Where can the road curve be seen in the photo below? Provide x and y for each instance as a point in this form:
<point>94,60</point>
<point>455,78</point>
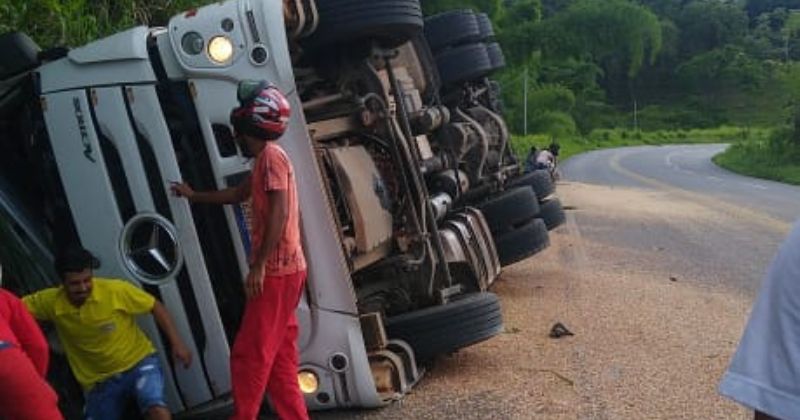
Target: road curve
<point>687,169</point>
<point>722,229</point>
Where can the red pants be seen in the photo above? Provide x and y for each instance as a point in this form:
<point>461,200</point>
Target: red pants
<point>264,355</point>
<point>24,394</point>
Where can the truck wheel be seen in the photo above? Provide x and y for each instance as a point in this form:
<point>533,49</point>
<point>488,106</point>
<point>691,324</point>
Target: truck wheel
<point>496,56</point>
<point>464,63</point>
<point>452,28</point>
<point>522,243</point>
<point>390,22</point>
<point>446,328</point>
<point>485,25</point>
<point>539,180</point>
<point>553,213</point>
<point>510,209</point>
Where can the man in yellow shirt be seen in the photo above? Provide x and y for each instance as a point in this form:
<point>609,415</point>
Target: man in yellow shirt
<point>109,354</point>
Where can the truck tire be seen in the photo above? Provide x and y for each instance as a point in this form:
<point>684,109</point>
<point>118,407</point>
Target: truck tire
<point>496,56</point>
<point>24,54</point>
<point>540,180</point>
<point>522,243</point>
<point>510,209</point>
<point>464,63</point>
<point>446,328</point>
<point>485,27</point>
<point>552,213</point>
<point>452,28</point>
<point>390,22</point>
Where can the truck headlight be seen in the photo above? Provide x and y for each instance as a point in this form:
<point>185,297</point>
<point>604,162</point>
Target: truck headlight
<point>309,383</point>
<point>220,49</point>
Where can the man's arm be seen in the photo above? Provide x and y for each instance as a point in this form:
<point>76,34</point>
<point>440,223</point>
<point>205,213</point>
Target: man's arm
<point>277,211</point>
<point>232,195</point>
<point>179,350</point>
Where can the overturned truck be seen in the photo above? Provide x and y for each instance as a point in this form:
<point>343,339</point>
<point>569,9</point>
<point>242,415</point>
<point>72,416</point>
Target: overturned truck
<point>411,197</point>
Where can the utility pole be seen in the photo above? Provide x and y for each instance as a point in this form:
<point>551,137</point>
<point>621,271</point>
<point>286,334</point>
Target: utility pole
<point>525,103</point>
<point>635,116</point>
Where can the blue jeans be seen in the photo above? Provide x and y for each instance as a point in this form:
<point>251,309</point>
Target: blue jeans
<point>145,381</point>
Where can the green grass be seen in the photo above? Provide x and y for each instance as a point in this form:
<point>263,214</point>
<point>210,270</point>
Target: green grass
<point>610,138</point>
<point>772,159</point>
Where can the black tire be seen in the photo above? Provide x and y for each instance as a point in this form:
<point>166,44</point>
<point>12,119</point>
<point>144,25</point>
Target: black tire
<point>389,22</point>
<point>446,328</point>
<point>552,213</point>
<point>540,180</point>
<point>24,54</point>
<point>522,243</point>
<point>452,28</point>
<point>464,63</point>
<point>510,209</point>
<point>485,27</point>
<point>496,56</point>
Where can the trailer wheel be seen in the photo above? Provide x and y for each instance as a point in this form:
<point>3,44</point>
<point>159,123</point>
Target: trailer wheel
<point>539,180</point>
<point>446,328</point>
<point>463,63</point>
<point>452,28</point>
<point>485,25</point>
<point>496,56</point>
<point>522,243</point>
<point>510,209</point>
<point>552,213</point>
<point>389,22</point>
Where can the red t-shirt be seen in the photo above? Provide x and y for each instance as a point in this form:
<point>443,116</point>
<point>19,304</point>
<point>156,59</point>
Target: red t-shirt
<point>274,172</point>
<point>18,327</point>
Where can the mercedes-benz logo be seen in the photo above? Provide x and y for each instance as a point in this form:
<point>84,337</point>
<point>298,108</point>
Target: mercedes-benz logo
<point>150,248</point>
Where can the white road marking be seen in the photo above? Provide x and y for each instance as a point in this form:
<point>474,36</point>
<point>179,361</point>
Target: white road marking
<point>714,178</point>
<point>757,186</point>
<point>672,165</point>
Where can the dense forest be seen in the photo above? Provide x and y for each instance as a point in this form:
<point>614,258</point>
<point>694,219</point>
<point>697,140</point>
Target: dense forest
<point>586,65</point>
<point>649,64</point>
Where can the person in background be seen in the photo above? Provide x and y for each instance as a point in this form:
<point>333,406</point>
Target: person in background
<point>764,374</point>
<point>530,160</point>
<point>545,160</point>
<point>264,354</point>
<point>108,353</point>
<point>24,355</point>
<point>555,149</point>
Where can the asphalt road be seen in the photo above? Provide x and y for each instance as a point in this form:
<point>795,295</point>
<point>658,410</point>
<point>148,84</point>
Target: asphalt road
<point>747,219</point>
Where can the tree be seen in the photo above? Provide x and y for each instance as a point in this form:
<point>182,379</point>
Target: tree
<point>707,25</point>
<point>757,7</point>
<point>613,29</point>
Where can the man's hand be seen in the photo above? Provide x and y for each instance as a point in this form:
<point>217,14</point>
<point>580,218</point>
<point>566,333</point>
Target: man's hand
<point>182,189</point>
<point>180,353</point>
<point>254,285</point>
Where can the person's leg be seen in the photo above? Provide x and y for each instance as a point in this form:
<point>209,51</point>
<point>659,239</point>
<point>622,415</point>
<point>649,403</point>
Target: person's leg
<point>105,401</point>
<point>24,395</point>
<point>158,413</point>
<point>283,387</point>
<point>254,349</point>
<point>147,380</point>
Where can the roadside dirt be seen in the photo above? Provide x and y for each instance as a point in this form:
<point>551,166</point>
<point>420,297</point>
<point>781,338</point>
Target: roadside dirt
<point>647,343</point>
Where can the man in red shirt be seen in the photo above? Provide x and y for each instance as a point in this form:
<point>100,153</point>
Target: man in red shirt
<point>264,354</point>
<point>24,393</point>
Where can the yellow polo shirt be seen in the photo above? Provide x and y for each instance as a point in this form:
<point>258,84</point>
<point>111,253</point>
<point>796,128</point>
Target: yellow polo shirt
<point>101,337</point>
